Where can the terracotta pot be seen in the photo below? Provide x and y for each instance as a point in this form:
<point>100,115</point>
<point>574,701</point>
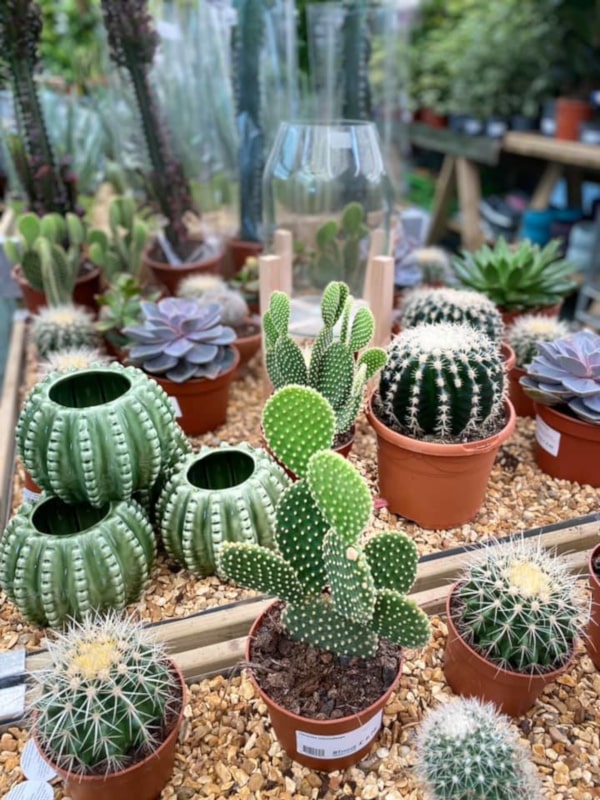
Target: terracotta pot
<point>142,781</point>
<point>412,473</point>
<point>171,276</point>
<point>508,356</point>
<point>248,346</point>
<point>592,640</point>
<point>523,403</point>
<point>240,250</point>
<point>566,447</point>
<point>429,117</point>
<point>87,286</point>
<point>297,734</point>
<point>569,115</point>
<point>31,492</point>
<point>200,404</point>
<point>470,675</point>
<point>510,315</point>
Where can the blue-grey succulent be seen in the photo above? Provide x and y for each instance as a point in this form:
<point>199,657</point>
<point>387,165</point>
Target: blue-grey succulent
<point>567,371</point>
<point>181,339</point>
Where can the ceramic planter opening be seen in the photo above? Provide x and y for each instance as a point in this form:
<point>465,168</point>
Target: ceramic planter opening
<point>56,518</point>
<point>221,470</point>
<point>91,388</point>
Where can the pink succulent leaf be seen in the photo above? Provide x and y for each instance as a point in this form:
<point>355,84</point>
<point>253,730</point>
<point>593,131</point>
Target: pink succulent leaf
<point>137,332</point>
<point>160,364</point>
<point>182,372</point>
<point>584,411</point>
<point>151,311</point>
<point>583,387</point>
<point>573,365</point>
<point>144,351</point>
<point>542,371</point>
<point>202,353</point>
<point>555,388</point>
<point>178,347</point>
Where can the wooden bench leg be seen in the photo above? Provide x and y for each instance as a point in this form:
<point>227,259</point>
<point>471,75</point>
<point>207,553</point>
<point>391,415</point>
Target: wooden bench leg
<point>469,197</point>
<point>444,190</point>
<point>541,197</point>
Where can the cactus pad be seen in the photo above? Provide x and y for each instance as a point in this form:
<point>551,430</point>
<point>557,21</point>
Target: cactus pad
<point>260,569</point>
<point>393,559</point>
<point>350,579</point>
<point>316,621</point>
<point>400,620</point>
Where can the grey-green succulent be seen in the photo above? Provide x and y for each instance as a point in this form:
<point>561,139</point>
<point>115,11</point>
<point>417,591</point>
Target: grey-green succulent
<point>332,368</point>
<point>339,594</point>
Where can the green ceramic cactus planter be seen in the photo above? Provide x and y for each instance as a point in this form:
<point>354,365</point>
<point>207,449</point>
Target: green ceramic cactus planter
<point>96,435</point>
<point>225,494</point>
<point>60,560</point>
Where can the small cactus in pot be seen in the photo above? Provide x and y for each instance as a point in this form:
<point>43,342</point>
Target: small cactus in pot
<point>62,328</point>
<point>73,358</point>
<point>466,749</point>
<point>526,332</point>
<point>108,700</point>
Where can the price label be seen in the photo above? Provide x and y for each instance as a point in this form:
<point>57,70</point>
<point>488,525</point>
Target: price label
<point>343,744</point>
<point>547,438</point>
<point>176,407</point>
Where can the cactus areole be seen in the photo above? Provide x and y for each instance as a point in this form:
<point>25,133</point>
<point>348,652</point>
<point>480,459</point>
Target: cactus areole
<point>96,435</point>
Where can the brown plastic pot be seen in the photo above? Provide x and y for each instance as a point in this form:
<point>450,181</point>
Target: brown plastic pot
<point>240,250</point>
<point>171,276</point>
<point>429,117</point>
<point>31,492</point>
<point>293,731</point>
<point>522,403</point>
<point>142,781</point>
<point>569,114</point>
<point>248,346</point>
<point>471,675</point>
<point>592,639</point>
<point>200,403</point>
<point>566,447</point>
<point>508,356</point>
<point>438,486</point>
<point>87,286</point>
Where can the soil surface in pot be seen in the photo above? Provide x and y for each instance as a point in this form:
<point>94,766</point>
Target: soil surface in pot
<point>315,683</point>
<point>246,329</point>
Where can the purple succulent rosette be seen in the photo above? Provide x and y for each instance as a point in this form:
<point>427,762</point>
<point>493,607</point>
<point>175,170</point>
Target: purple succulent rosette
<point>180,339</point>
<point>567,371</point>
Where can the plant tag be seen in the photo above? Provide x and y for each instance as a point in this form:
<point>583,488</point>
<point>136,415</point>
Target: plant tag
<point>344,744</point>
<point>176,407</point>
<point>12,702</point>
<point>547,437</point>
<point>31,790</point>
<point>33,765</point>
<point>12,664</point>
<point>29,496</point>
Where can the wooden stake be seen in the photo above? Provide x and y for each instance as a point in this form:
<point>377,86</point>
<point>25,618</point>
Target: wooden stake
<point>379,294</point>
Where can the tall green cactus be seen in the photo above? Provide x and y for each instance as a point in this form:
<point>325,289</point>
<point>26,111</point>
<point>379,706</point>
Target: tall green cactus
<point>442,380</point>
<point>332,369</point>
<point>339,595</point>
<point>61,561</point>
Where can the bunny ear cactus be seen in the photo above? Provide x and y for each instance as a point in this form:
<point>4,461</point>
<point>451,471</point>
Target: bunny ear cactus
<point>121,252</point>
<point>339,595</point>
<point>332,368</point>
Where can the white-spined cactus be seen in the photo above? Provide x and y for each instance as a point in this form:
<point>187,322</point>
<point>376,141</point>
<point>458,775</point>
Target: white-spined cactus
<point>332,368</point>
<point>526,332</point>
<point>426,305</point>
<point>108,698</point>
<point>73,358</point>
<point>442,380</point>
<point>339,595</point>
<point>466,750</point>
<point>517,605</point>
<point>63,327</point>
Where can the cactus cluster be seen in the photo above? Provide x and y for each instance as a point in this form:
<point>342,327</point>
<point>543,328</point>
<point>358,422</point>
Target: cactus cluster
<point>567,371</point>
<point>426,305</point>
<point>517,605</point>
<point>522,277</point>
<point>339,595</point>
<point>50,252</point>
<point>332,368</point>
<point>108,697</point>
<point>529,330</point>
<point>466,750</point>
<point>338,249</point>
<point>181,339</point>
<point>444,381</point>
<point>217,495</point>
<point>208,289</point>
<point>63,327</point>
<point>121,252</point>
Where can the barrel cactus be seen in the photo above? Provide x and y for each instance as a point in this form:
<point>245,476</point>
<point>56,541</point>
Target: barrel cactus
<point>109,696</point>
<point>517,606</point>
<point>61,561</point>
<point>97,434</point>
<point>466,750</point>
<point>73,358</point>
<point>339,595</point>
<point>567,371</point>
<point>425,305</point>
<point>63,327</point>
<point>444,381</point>
<point>224,494</point>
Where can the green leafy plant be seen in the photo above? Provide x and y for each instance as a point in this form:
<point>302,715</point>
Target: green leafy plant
<point>520,278</point>
<point>338,595</point>
<point>121,306</point>
<point>331,367</point>
<point>121,252</point>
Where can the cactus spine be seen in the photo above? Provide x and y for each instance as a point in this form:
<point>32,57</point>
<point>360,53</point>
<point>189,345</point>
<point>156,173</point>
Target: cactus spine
<point>60,561</point>
<point>225,494</point>
<point>96,435</point>
<point>517,606</point>
<point>109,696</point>
<point>466,750</point>
<point>444,381</point>
<point>320,520</point>
<point>62,328</point>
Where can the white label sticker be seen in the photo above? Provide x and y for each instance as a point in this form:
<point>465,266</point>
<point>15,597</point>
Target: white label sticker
<point>31,790</point>
<point>344,744</point>
<point>29,496</point>
<point>33,765</point>
<point>547,437</point>
<point>176,407</point>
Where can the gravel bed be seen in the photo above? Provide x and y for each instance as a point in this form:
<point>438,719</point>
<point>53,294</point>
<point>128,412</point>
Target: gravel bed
<point>228,749</point>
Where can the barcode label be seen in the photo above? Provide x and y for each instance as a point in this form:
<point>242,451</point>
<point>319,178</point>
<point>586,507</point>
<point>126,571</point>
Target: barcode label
<point>547,437</point>
<point>340,745</point>
<point>176,407</point>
